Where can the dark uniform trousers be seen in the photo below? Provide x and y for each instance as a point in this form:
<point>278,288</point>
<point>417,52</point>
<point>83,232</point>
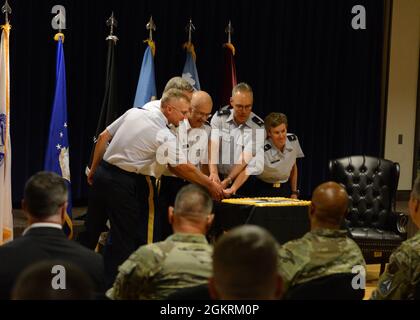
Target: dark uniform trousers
<point>129,200</point>
<point>169,187</point>
<point>95,222</point>
<point>247,189</point>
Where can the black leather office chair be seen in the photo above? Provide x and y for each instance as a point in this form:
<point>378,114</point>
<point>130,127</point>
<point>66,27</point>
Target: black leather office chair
<point>371,184</point>
<point>333,287</point>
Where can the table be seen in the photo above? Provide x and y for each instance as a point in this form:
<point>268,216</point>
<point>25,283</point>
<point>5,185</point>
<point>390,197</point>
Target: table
<point>286,219</point>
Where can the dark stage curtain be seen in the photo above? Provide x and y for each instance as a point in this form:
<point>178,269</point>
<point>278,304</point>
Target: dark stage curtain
<point>301,57</point>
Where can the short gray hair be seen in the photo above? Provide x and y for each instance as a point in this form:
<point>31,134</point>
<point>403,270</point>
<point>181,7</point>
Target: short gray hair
<point>245,262</point>
<point>173,94</point>
<point>415,193</point>
<point>44,193</point>
<point>242,87</point>
<point>193,200</point>
<point>180,84</point>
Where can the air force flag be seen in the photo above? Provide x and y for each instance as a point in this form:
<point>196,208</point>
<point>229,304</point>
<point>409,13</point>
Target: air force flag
<point>57,154</point>
<point>190,70</point>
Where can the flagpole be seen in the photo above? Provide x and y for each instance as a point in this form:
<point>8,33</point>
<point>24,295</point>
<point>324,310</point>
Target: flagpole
<point>112,23</point>
<point>229,30</point>
<point>151,26</point>
<point>6,9</point>
<point>229,69</point>
<point>6,208</point>
<point>190,28</point>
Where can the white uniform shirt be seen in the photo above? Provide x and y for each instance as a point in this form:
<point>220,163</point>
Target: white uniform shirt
<point>234,139</point>
<point>152,105</point>
<point>142,143</point>
<point>277,164</point>
<point>194,142</point>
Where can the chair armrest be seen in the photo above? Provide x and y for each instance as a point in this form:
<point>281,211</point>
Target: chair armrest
<point>397,222</point>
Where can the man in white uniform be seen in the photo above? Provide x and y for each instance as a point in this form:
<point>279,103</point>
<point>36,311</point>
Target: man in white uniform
<point>193,135</point>
<point>174,83</point>
<point>141,146</point>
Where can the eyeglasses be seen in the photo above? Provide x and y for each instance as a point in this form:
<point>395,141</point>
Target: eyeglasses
<point>241,107</point>
<point>184,113</point>
<point>202,114</point>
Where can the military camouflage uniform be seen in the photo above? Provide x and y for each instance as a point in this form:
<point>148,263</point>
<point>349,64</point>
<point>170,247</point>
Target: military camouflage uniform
<point>318,253</point>
<point>402,274</point>
<point>156,270</point>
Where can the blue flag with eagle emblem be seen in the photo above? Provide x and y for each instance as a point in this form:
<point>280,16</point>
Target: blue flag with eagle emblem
<point>190,69</point>
<point>57,155</point>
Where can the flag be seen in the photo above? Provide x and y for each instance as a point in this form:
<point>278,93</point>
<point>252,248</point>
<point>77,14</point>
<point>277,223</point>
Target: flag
<point>229,73</point>
<point>57,154</point>
<point>190,70</point>
<point>6,219</point>
<point>146,88</point>
<point>110,108</point>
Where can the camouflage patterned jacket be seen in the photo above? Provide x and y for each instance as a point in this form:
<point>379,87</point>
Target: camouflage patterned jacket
<point>156,270</point>
<point>318,253</point>
<point>402,274</point>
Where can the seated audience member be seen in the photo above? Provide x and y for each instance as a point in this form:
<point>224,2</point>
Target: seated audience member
<point>245,266</point>
<point>53,280</point>
<point>45,204</point>
<point>325,250</point>
<point>183,260</point>
<point>402,275</point>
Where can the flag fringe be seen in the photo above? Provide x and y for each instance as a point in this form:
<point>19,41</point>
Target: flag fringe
<point>58,36</point>
<point>6,27</point>
<point>152,46</point>
<point>231,47</point>
<point>190,48</point>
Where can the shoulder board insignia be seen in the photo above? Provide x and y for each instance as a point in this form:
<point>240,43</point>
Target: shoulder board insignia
<point>258,121</point>
<point>267,147</point>
<point>225,111</point>
<point>291,137</point>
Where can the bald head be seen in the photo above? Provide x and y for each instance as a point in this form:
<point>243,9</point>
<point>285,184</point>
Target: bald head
<point>201,98</point>
<point>201,105</point>
<point>329,204</point>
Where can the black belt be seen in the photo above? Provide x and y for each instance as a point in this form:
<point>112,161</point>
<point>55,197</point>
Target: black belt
<point>276,185</point>
<point>114,168</point>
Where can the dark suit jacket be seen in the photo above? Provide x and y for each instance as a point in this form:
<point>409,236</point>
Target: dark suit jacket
<point>46,243</point>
